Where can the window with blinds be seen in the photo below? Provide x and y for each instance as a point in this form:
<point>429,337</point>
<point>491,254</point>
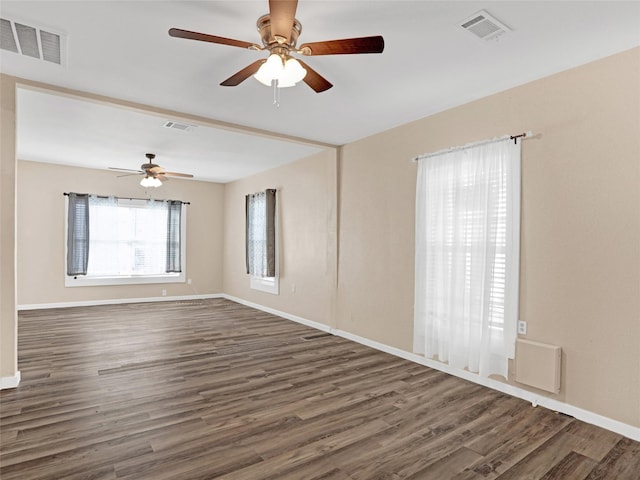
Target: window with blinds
<point>467,256</point>
<point>261,242</point>
<point>465,235</point>
<point>128,241</point>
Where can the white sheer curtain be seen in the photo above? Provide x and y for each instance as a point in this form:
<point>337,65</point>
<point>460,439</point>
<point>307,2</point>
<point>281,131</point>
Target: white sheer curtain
<point>467,256</point>
<point>127,238</point>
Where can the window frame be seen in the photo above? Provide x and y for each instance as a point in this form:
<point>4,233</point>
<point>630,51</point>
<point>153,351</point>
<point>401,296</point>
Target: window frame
<point>266,284</point>
<point>270,285</point>
<point>105,280</point>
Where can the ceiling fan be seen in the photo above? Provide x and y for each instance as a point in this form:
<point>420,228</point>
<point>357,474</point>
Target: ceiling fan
<point>154,174</point>
<point>279,30</point>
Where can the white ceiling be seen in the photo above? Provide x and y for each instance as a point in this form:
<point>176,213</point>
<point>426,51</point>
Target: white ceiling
<point>121,49</point>
<point>72,131</point>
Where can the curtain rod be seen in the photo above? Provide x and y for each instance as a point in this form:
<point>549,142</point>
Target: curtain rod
<point>515,138</point>
<point>66,194</point>
<point>521,135</point>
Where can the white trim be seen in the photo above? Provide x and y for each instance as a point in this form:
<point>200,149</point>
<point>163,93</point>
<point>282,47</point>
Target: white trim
<point>585,415</point>
<point>592,418</point>
<point>10,382</point>
<point>288,316</point>
<point>115,301</point>
<point>536,399</point>
<point>94,281</point>
<point>266,284</point>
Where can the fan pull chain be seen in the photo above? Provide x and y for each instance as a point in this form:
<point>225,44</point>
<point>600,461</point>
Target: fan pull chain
<point>276,93</point>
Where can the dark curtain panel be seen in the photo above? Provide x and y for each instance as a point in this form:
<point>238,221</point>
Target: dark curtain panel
<point>173,236</point>
<point>270,234</point>
<point>78,234</point>
<point>247,231</point>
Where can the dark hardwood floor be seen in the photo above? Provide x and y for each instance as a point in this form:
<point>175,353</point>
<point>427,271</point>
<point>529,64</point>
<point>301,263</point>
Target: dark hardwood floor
<point>215,390</point>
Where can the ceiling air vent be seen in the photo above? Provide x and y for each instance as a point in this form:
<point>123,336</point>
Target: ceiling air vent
<point>179,126</point>
<point>484,26</point>
<point>31,41</point>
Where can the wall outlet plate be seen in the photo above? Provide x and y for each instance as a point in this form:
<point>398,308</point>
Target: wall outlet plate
<point>522,327</point>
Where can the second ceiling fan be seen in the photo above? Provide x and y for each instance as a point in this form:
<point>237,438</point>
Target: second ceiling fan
<point>279,30</point>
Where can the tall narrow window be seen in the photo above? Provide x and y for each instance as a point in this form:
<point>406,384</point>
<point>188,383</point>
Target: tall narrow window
<point>467,256</point>
<point>261,240</point>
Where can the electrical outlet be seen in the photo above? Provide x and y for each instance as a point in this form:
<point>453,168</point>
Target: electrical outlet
<point>293,288</point>
<point>164,293</point>
<point>522,327</point>
<point>188,281</point>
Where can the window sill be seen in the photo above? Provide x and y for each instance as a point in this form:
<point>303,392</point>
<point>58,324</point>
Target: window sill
<point>267,285</point>
<point>84,281</point>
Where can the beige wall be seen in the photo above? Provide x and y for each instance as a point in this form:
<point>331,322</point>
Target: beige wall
<point>8,317</point>
<point>41,208</point>
<point>306,218</point>
<point>580,267</point>
<point>347,227</point>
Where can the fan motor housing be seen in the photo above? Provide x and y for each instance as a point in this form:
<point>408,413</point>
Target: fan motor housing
<point>264,27</point>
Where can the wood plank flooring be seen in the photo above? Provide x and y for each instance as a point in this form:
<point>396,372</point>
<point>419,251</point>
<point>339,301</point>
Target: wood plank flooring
<point>211,389</point>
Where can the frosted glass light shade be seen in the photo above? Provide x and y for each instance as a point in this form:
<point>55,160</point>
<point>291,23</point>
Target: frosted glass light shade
<point>287,74</point>
<point>148,181</point>
<point>270,70</point>
<point>293,71</point>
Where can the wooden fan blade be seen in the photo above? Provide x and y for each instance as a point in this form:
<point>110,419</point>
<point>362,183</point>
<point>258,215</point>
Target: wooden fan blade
<point>125,170</point>
<point>174,174</point>
<point>345,46</point>
<point>314,79</point>
<point>242,75</point>
<point>282,14</point>
<point>203,37</point>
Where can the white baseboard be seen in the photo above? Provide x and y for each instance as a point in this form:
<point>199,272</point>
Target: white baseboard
<point>10,382</point>
<point>535,399</point>
<point>116,301</point>
<point>585,415</point>
<point>288,316</point>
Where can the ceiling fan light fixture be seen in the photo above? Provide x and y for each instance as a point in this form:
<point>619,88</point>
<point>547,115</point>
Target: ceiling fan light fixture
<point>148,181</point>
<point>293,71</point>
<point>270,70</point>
<point>286,73</point>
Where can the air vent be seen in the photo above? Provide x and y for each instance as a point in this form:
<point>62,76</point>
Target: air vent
<point>31,41</point>
<point>484,26</point>
<point>179,126</point>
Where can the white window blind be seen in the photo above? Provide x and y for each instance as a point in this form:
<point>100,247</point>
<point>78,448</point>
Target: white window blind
<point>127,237</point>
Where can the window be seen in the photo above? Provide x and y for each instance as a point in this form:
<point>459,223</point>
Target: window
<point>114,241</point>
<point>260,240</point>
<point>467,256</point>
